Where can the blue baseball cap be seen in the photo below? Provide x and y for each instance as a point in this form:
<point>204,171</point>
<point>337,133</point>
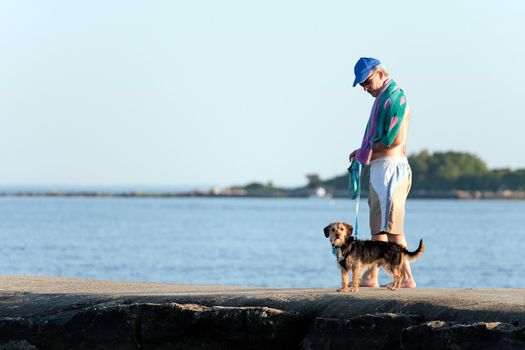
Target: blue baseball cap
<point>363,67</point>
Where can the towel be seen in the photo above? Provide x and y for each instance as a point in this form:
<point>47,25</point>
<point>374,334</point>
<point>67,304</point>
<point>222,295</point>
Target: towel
<point>385,119</point>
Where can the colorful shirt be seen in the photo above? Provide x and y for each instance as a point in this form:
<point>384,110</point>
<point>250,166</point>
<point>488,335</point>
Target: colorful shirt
<point>385,120</point>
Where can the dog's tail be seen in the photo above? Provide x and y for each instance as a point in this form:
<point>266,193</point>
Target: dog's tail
<point>416,253</point>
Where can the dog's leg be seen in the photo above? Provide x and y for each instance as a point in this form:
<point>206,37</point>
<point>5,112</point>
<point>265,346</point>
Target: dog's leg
<point>398,278</point>
<point>356,277</point>
<point>344,281</point>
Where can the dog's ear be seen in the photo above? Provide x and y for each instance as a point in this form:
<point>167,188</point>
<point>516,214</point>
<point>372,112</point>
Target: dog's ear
<point>349,228</point>
<point>327,230</point>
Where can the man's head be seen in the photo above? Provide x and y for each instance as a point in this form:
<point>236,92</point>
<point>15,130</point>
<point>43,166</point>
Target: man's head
<point>370,74</point>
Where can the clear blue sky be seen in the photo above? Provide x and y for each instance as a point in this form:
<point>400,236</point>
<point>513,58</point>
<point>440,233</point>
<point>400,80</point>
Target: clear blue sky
<point>125,93</point>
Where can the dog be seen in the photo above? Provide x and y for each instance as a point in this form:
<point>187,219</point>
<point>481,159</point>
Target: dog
<point>354,255</point>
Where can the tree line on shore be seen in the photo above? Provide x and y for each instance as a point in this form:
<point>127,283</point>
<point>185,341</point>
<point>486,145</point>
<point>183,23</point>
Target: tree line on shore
<point>444,172</point>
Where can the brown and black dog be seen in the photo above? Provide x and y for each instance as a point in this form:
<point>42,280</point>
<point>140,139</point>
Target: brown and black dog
<point>354,255</point>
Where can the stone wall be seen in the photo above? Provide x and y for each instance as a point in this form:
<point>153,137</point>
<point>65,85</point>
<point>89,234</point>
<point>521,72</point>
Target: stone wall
<point>171,325</point>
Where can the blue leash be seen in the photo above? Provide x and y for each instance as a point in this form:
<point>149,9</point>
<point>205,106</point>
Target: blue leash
<point>354,188</point>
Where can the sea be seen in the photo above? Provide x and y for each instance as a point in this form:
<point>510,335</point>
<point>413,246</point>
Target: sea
<point>263,242</point>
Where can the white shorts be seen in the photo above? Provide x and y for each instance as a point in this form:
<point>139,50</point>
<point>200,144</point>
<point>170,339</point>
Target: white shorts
<point>390,182</point>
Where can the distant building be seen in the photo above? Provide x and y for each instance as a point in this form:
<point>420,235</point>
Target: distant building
<point>320,192</point>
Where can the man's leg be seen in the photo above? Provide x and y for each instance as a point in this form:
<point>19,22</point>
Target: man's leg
<point>390,182</point>
<point>408,278</point>
<point>369,278</point>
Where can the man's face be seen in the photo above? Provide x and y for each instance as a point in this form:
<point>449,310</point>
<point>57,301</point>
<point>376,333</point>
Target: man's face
<point>373,83</point>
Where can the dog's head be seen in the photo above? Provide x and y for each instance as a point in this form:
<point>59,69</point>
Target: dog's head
<point>339,233</point>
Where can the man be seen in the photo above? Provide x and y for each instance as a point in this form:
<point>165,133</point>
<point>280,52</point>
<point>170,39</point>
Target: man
<point>384,149</point>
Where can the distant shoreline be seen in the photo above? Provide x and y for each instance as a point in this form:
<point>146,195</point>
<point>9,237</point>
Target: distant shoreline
<point>465,195</point>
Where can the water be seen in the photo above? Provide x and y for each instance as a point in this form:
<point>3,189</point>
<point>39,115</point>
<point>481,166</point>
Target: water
<point>254,242</point>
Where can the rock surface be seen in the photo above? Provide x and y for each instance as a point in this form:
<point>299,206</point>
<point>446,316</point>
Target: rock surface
<point>58,313</point>
<point>157,326</point>
<point>371,331</point>
<point>451,335</point>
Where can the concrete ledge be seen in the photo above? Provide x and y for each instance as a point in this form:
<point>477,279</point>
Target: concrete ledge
<point>59,313</point>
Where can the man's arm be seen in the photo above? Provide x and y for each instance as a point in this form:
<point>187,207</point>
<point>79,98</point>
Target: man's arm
<point>400,136</point>
<point>379,146</point>
<point>398,144</point>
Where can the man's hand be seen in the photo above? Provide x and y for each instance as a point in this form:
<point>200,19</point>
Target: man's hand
<point>351,157</point>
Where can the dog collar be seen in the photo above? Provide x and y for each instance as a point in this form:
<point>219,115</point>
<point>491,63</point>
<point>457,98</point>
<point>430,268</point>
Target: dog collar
<point>335,251</point>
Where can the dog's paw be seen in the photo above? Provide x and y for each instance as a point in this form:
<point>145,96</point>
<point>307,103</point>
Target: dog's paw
<point>342,290</point>
<point>354,289</point>
<point>392,288</point>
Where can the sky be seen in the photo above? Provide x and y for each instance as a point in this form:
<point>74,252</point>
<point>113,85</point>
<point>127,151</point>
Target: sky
<point>219,93</point>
